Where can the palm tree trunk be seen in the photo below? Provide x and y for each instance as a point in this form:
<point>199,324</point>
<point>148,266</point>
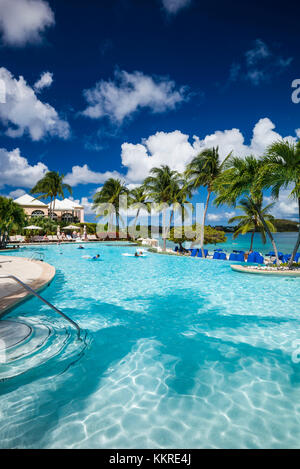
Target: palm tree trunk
<point>268,232</point>
<point>297,242</point>
<point>252,238</point>
<point>164,230</point>
<point>135,220</point>
<point>204,217</point>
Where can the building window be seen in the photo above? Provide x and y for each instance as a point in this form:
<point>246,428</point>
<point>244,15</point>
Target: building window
<point>67,217</point>
<point>37,213</point>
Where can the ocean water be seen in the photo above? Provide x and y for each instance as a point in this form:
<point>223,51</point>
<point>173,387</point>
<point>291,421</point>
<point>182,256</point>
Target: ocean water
<point>178,353</point>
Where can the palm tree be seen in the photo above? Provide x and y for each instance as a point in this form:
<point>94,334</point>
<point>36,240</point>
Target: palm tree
<point>12,216</point>
<point>203,171</point>
<point>240,178</point>
<point>51,185</point>
<point>250,221</point>
<point>281,170</point>
<point>138,199</point>
<point>110,193</point>
<point>162,186</point>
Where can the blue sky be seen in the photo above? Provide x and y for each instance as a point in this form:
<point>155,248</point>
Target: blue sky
<point>111,88</point>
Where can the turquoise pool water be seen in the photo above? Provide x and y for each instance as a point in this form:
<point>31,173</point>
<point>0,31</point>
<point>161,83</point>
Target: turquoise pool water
<point>181,353</point>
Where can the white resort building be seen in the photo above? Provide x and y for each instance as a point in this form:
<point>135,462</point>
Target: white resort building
<point>65,210</point>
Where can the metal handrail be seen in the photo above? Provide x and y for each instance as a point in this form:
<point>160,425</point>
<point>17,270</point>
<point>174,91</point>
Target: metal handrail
<point>30,290</point>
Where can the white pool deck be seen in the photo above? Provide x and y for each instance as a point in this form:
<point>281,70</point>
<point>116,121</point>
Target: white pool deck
<point>35,274</point>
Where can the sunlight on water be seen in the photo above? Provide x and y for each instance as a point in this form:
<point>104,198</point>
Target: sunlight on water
<point>181,353</point>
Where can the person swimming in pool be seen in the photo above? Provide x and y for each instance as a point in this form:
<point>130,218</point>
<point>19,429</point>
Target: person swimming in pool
<point>96,257</point>
<point>80,247</point>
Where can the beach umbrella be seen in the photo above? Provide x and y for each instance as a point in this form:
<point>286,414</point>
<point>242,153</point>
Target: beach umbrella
<point>84,231</point>
<point>32,227</point>
<point>71,227</point>
<point>58,231</point>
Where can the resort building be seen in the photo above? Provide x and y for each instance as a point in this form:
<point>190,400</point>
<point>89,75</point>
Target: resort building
<point>65,210</point>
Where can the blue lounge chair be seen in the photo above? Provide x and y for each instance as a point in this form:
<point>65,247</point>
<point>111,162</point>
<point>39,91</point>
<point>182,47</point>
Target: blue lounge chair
<point>297,257</point>
<point>240,257</point>
<point>233,256</point>
<point>222,256</point>
<point>200,253</point>
<point>194,252</point>
<point>216,255</point>
<point>176,249</point>
<point>251,257</point>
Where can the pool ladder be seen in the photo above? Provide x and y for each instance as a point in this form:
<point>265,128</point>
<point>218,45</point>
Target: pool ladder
<point>30,290</point>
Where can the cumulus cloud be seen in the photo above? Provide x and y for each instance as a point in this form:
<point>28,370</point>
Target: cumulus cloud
<point>44,81</point>
<point>128,93</point>
<point>83,175</point>
<point>177,149</point>
<point>163,148</point>
<point>16,193</point>
<point>233,140</point>
<point>24,113</point>
<point>15,170</point>
<point>173,6</point>
<point>24,21</point>
<point>285,206</point>
<point>221,216</point>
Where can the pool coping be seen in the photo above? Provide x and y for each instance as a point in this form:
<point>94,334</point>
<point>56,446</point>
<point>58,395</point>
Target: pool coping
<point>278,273</point>
<point>38,284</point>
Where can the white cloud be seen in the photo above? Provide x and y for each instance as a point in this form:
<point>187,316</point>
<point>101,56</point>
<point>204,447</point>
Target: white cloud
<point>16,193</point>
<point>176,150</point>
<point>260,64</point>
<point>285,206</point>
<point>260,51</point>
<point>173,6</point>
<point>24,113</point>
<point>222,216</point>
<point>128,93</point>
<point>24,21</point>
<point>173,149</point>
<point>83,175</point>
<point>16,171</point>
<point>44,81</point>
<point>233,140</point>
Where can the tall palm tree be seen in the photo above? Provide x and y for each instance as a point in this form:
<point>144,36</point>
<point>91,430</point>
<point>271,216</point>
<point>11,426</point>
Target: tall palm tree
<point>110,193</point>
<point>12,216</point>
<point>281,170</point>
<point>240,178</point>
<point>138,199</point>
<point>51,185</point>
<point>161,186</point>
<point>251,221</point>
<point>203,171</point>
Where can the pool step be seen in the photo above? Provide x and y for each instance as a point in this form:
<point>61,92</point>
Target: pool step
<point>27,345</point>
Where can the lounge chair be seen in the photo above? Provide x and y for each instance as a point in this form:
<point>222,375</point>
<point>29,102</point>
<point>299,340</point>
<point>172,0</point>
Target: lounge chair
<point>222,256</point>
<point>194,252</point>
<point>217,255</point>
<point>255,258</point>
<point>200,253</point>
<point>176,249</point>
<point>240,257</point>
<point>233,256</point>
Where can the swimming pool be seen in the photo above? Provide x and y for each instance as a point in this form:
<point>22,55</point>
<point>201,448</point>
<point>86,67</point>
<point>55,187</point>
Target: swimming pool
<point>181,353</point>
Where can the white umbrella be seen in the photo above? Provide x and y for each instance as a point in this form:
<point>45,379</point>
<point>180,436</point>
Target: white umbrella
<point>84,231</point>
<point>71,227</point>
<point>58,231</point>
<point>32,227</point>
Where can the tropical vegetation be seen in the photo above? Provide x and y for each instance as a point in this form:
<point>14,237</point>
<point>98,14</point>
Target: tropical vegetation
<point>251,221</point>
<point>51,186</point>
<point>12,216</point>
<point>203,171</point>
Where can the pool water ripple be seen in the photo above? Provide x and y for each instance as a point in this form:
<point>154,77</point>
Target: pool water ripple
<point>182,353</point>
